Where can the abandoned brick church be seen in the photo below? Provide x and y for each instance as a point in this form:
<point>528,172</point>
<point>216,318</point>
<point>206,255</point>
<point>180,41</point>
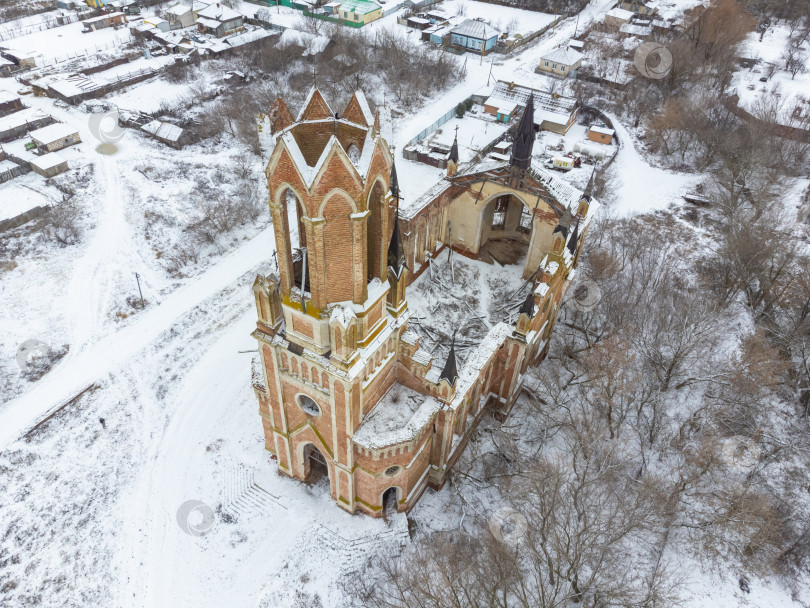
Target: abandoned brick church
<point>355,383</point>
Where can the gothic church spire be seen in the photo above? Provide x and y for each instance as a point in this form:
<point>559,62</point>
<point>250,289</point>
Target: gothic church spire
<point>521,156</point>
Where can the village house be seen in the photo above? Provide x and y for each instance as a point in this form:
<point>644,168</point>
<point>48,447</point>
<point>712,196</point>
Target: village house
<point>49,165</point>
<point>601,134</point>
<point>474,35</point>
<point>55,137</point>
<point>358,13</point>
<point>552,112</point>
<point>102,21</point>
<point>355,384</point>
<point>219,20</point>
<point>617,17</point>
<point>562,61</point>
<point>180,16</point>
<point>9,103</point>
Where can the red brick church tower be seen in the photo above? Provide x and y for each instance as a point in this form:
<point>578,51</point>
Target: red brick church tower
<point>331,320</point>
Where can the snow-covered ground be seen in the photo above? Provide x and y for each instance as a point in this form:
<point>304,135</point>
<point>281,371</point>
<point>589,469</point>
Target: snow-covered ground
<point>792,91</point>
<point>67,41</point>
<point>90,511</point>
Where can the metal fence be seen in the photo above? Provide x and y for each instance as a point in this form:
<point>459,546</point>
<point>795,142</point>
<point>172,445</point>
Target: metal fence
<point>448,116</point>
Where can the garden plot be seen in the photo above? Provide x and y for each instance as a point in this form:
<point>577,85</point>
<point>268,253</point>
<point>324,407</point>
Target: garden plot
<point>502,18</point>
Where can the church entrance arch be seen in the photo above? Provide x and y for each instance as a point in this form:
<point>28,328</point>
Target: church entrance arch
<point>390,501</point>
<point>315,467</point>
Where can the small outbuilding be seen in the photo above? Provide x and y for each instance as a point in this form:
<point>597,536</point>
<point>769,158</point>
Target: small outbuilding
<point>9,103</point>
<point>418,23</point>
<point>21,59</point>
<point>104,21</point>
<point>9,170</point>
<point>601,134</point>
<point>49,164</point>
<point>169,134</point>
<point>55,137</point>
<point>19,123</point>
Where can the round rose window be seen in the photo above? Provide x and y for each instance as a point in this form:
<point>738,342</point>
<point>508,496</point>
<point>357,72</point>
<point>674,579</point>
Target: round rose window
<point>308,405</point>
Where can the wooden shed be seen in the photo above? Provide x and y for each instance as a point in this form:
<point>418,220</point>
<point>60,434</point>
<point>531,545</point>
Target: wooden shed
<point>600,134</point>
<point>9,103</point>
<point>55,137</point>
<point>49,164</point>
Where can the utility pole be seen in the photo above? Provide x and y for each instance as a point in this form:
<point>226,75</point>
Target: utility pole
<point>140,293</point>
<point>576,27</point>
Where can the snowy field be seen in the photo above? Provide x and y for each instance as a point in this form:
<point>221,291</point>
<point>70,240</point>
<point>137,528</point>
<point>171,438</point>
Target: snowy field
<point>67,41</point>
<point>92,513</point>
<point>502,18</point>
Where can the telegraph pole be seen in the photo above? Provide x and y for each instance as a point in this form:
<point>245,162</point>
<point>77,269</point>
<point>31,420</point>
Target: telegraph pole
<point>140,293</point>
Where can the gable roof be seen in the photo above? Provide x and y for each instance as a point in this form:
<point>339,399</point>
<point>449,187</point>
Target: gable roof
<point>472,28</point>
<point>359,7</point>
<point>219,13</point>
<point>566,56</point>
<point>54,132</point>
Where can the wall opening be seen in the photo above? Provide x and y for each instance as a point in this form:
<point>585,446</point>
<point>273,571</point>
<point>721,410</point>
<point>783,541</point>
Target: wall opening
<point>390,502</point>
<point>298,238</point>
<point>315,468</point>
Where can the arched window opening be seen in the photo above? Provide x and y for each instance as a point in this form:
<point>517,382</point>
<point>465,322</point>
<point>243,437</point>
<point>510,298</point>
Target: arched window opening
<point>298,239</point>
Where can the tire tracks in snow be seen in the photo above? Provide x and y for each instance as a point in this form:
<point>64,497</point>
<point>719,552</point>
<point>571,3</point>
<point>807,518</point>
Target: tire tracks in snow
<point>119,348</point>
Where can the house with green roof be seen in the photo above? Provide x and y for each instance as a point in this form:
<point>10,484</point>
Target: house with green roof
<point>359,12</point>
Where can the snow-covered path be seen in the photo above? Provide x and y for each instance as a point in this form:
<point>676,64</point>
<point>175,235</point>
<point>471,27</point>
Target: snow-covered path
<point>110,254</point>
<point>113,351</point>
<point>644,188</point>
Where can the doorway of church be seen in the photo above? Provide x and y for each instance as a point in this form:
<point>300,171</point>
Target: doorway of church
<point>315,466</point>
<point>390,503</point>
